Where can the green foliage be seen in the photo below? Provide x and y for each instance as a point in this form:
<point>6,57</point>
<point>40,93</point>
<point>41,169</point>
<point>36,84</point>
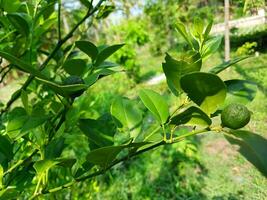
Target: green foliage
<point>53,138</point>
<point>246,49</point>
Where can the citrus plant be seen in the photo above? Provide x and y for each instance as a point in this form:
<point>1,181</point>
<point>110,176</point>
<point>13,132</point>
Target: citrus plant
<point>53,112</point>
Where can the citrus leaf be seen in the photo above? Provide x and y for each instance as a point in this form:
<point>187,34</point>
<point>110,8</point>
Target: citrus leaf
<point>21,64</point>
<point>156,104</point>
<point>211,46</point>
<point>6,147</point>
<point>175,69</point>
<point>252,146</point>
<point>75,67</point>
<point>21,22</point>
<point>217,69</point>
<point>92,78</point>
<point>180,27</point>
<point>99,132</point>
<point>205,89</point>
<point>240,91</point>
<point>107,52</point>
<point>104,156</point>
<point>64,90</point>
<point>126,114</point>
<point>88,47</point>
<point>192,116</point>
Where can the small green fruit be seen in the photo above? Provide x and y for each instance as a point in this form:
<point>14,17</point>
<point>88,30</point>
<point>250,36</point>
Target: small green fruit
<point>72,80</point>
<point>235,116</point>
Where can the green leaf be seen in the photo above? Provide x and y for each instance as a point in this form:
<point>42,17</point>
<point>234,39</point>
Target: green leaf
<point>205,89</point>
<point>10,6</point>
<point>107,52</point>
<point>211,46</point>
<point>208,29</point>
<point>20,122</point>
<point>64,90</point>
<point>42,166</point>
<point>126,114</point>
<point>54,148</point>
<point>21,22</point>
<point>86,3</point>
<point>197,30</point>
<point>252,146</point>
<point>192,116</point>
<point>75,67</point>
<point>217,69</point>
<point>1,176</point>
<point>100,132</point>
<point>25,100</point>
<point>21,65</point>
<point>104,156</point>
<point>240,91</point>
<point>107,65</point>
<point>175,69</point>
<point>33,122</point>
<point>92,78</point>
<point>9,193</point>
<point>180,27</point>
<point>156,104</point>
<point>6,147</point>
<point>87,47</point>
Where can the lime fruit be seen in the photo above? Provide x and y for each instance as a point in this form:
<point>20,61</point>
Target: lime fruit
<point>235,116</point>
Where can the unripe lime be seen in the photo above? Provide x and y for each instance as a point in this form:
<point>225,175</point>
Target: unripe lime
<point>72,80</point>
<point>235,116</point>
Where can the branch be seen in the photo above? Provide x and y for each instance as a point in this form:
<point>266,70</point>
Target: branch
<point>58,20</point>
<point>16,94</point>
<point>115,162</point>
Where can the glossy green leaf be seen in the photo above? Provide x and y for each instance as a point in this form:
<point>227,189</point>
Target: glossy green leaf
<point>1,176</point>
<point>21,22</point>
<point>175,69</point>
<point>205,89</point>
<point>211,46</point>
<point>10,6</point>
<point>21,64</point>
<point>25,100</point>
<point>217,69</point>
<point>86,3</point>
<point>100,132</point>
<point>6,147</point>
<point>252,146</point>
<point>180,27</point>
<point>75,67</point>
<point>64,90</point>
<point>192,116</point>
<point>106,53</point>
<point>42,166</point>
<point>20,122</point>
<point>156,104</point>
<point>208,29</point>
<point>104,156</point>
<point>126,114</point>
<point>55,148</point>
<point>87,47</point>
<point>198,28</point>
<point>92,78</point>
<point>9,193</point>
<point>240,91</point>
<point>107,65</point>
